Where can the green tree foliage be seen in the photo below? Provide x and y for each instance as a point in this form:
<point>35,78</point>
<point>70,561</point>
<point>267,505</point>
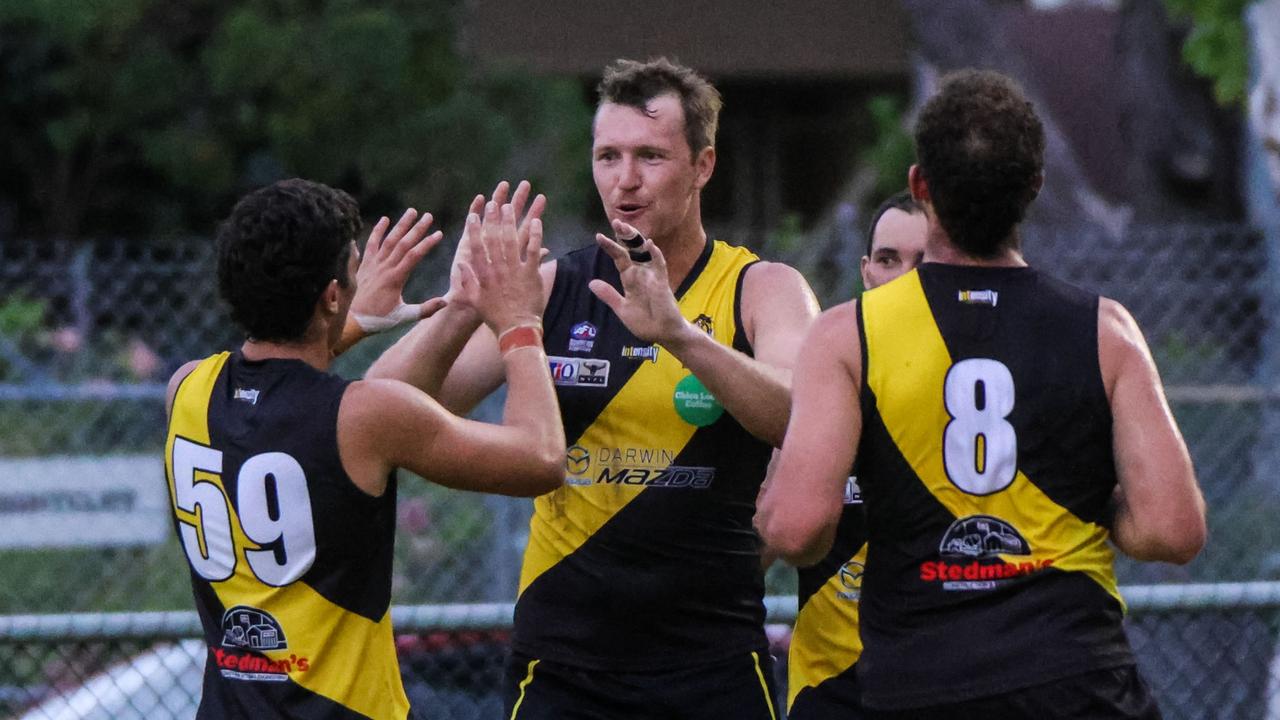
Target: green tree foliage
<point>894,150</point>
<point>1217,47</point>
<point>149,117</point>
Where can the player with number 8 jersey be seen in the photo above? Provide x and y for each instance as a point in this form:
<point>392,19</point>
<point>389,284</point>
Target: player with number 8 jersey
<point>990,510</point>
<point>1005,428</point>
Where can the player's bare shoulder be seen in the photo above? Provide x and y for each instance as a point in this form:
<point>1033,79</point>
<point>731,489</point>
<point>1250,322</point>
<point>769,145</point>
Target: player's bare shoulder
<point>835,333</point>
<point>1121,345</point>
<point>774,292</point>
<point>175,381</point>
<point>765,278</point>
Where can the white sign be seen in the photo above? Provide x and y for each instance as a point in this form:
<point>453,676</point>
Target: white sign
<point>73,501</point>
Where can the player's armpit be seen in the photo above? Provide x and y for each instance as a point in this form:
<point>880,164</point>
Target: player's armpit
<point>800,509</point>
<point>1160,511</point>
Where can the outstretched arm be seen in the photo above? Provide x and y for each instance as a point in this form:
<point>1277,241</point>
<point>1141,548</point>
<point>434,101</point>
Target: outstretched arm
<point>452,356</point>
<point>388,259</point>
<point>386,423</point>
<point>1160,513</point>
<point>800,505</point>
<point>777,307</point>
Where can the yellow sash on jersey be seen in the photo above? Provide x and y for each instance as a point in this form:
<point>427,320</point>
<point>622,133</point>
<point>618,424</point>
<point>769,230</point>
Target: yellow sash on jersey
<point>825,641</point>
<point>907,363</point>
<point>349,659</point>
<point>564,519</point>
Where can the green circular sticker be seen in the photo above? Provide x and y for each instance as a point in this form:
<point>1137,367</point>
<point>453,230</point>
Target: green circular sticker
<point>694,404</point>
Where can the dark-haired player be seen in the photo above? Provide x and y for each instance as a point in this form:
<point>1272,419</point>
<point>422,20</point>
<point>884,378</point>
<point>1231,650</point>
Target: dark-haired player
<point>641,594</point>
<point>825,644</point>
<point>1005,426</point>
<point>282,475</point>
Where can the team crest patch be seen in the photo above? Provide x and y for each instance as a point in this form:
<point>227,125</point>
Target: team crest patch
<point>582,337</point>
<point>579,372</point>
<point>705,324</point>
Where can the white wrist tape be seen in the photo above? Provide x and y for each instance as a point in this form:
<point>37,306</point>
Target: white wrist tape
<point>374,324</point>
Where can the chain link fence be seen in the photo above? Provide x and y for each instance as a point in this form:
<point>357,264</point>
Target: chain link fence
<point>90,332</point>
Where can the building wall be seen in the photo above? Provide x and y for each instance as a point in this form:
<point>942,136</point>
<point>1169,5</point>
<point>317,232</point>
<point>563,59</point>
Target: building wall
<point>809,38</point>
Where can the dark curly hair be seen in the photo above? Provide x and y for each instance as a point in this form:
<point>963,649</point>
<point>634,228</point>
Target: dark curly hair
<point>634,84</point>
<point>277,252</point>
<point>980,147</point>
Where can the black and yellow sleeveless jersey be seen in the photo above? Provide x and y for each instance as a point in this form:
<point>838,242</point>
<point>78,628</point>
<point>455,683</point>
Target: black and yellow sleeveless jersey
<point>825,643</point>
<point>986,467</point>
<point>290,561</point>
<point>646,558</point>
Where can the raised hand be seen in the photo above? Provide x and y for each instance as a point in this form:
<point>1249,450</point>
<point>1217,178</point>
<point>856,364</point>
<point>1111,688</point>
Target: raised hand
<point>467,245</point>
<point>647,306</point>
<point>388,259</point>
<point>500,278</point>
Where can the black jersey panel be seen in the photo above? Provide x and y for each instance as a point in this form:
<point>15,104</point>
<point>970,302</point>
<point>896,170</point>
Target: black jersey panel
<point>1046,332</point>
<point>681,565</point>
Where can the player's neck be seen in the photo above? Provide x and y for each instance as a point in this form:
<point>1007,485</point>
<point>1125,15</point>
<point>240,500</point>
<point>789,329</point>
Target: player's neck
<point>314,352</point>
<point>683,248</point>
<point>938,248</point>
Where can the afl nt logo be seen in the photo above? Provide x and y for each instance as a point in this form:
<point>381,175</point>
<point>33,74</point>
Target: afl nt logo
<point>577,460</point>
<point>982,536</point>
<point>252,629</point>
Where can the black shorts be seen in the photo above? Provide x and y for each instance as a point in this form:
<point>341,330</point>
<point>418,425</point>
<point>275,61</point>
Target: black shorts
<point>1112,694</point>
<point>741,688</point>
<point>836,698</point>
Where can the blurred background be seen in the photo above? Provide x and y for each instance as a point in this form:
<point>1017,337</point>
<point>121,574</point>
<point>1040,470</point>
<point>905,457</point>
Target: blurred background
<point>128,129</point>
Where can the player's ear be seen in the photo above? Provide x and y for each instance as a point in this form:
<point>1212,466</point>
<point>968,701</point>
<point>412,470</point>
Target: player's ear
<point>703,165</point>
<point>918,184</point>
<point>329,299</point>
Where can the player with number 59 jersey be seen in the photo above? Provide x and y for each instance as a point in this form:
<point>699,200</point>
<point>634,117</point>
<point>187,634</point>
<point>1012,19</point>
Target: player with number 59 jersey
<point>282,475</point>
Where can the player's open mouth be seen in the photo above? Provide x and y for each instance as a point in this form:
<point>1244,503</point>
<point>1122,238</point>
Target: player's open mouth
<point>629,209</point>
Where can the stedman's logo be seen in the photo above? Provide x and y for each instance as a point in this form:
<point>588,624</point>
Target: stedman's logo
<point>251,628</point>
<point>982,536</point>
<point>254,631</point>
<point>256,668</point>
<point>982,540</point>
